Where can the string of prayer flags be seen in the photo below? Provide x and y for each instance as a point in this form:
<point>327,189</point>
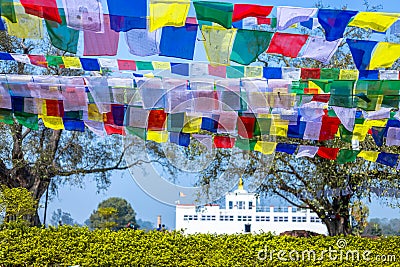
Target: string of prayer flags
<point>241,11</point>
<point>46,9</point>
<point>101,43</point>
<point>334,22</point>
<point>217,12</point>
<point>287,44</point>
<point>61,36</point>
<point>376,21</point>
<point>287,16</point>
<point>127,15</point>
<point>84,16</point>
<point>178,42</point>
<point>248,45</point>
<point>218,43</point>
<point>385,55</point>
<point>168,13</point>
<point>320,49</point>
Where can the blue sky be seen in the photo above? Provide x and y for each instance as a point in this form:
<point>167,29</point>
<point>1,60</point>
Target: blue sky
<point>80,202</point>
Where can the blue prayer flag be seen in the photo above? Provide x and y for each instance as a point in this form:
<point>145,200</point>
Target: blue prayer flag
<point>361,50</point>
<point>387,159</point>
<point>209,124</point>
<point>17,103</point>
<point>127,15</point>
<point>272,73</point>
<point>368,75</point>
<point>182,139</point>
<point>180,68</point>
<point>74,125</point>
<point>286,148</point>
<point>5,56</point>
<point>90,64</point>
<point>378,133</point>
<point>118,113</point>
<point>178,41</point>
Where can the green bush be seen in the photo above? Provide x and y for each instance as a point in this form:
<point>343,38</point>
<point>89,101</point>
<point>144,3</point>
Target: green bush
<point>69,245</point>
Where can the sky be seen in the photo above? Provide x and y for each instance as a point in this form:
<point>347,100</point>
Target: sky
<point>80,202</point>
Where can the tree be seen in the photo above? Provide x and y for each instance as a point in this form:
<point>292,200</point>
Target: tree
<point>145,225</point>
<point>113,213</point>
<point>62,217</point>
<point>17,204</point>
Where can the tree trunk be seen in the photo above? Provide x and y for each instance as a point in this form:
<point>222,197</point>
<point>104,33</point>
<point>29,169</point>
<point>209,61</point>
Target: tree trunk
<point>338,225</point>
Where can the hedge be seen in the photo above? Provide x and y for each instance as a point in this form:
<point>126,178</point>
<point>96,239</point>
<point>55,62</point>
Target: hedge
<point>68,245</point>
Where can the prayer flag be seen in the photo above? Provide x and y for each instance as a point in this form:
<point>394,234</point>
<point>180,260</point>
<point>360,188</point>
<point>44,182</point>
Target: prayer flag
<point>84,15</point>
<point>28,26</point>
<point>126,15</point>
<point>241,11</point>
<point>287,44</point>
<point>361,51</point>
<point>286,148</point>
<point>7,10</point>
<point>181,139</point>
<point>217,12</point>
<point>264,147</point>
<point>384,55</point>
<point>178,42</point>
<point>46,9</point>
<point>157,136</point>
<point>346,155</point>
<point>320,49</point>
<point>387,159</point>
<point>334,22</point>
<point>328,153</point>
<point>156,120</point>
<point>224,142</point>
<point>142,43</point>
<point>306,151</point>
<point>377,21</point>
<point>218,43</point>
<point>101,44</point>
<point>288,15</point>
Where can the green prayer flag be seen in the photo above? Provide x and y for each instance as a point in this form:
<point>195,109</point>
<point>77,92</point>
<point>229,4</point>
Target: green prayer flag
<point>217,12</point>
<point>249,45</point>
<point>61,36</point>
<point>144,65</point>
<point>55,61</point>
<point>332,74</point>
<point>368,87</point>
<point>346,155</point>
<point>390,101</point>
<point>175,122</point>
<point>298,87</point>
<point>391,88</point>
<point>234,71</point>
<point>245,144</point>
<point>139,132</point>
<point>28,120</point>
<point>342,94</point>
<point>324,84</point>
<point>6,116</point>
<point>262,126</point>
<point>7,10</point>
<point>74,115</point>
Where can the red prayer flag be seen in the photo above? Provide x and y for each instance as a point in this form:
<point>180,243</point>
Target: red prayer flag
<point>126,64</point>
<point>287,44</point>
<point>38,60</point>
<point>324,98</point>
<point>266,21</point>
<point>245,126</point>
<point>156,120</point>
<point>54,108</point>
<point>241,11</point>
<point>224,142</point>
<point>310,73</point>
<point>328,153</point>
<point>46,9</point>
<point>329,128</point>
<point>113,129</point>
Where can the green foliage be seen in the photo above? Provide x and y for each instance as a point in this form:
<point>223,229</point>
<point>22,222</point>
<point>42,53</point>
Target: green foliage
<point>17,204</point>
<point>63,217</point>
<point>378,227</point>
<point>68,245</point>
<point>113,213</point>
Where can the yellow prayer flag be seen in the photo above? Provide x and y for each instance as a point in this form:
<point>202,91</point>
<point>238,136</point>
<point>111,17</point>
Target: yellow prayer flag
<point>253,72</point>
<point>157,136</point>
<point>313,85</point>
<point>360,131</point>
<point>72,62</point>
<point>369,155</point>
<point>218,43</point>
<point>279,128</point>
<point>377,21</point>
<point>160,65</point>
<point>348,74</point>
<point>93,113</point>
<point>192,124</point>
<point>385,55</point>
<point>149,75</point>
<point>264,147</point>
<point>376,123</point>
<point>55,123</point>
<point>27,26</point>
<point>168,13</point>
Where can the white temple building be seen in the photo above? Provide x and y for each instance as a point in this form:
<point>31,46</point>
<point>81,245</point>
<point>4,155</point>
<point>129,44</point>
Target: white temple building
<point>243,215</point>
